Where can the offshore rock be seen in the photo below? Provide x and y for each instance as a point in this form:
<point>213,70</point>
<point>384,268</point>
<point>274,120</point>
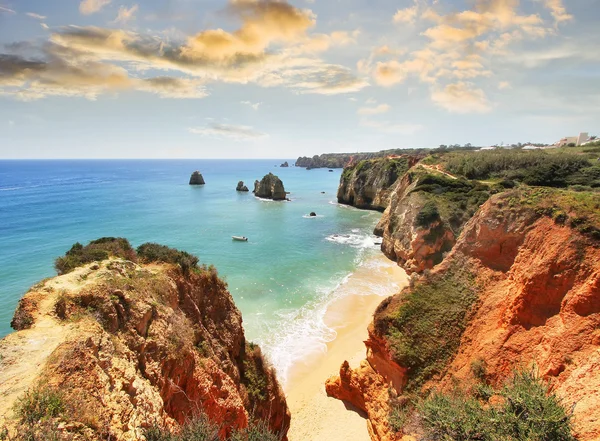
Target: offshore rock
<point>241,187</point>
<point>285,164</point>
<point>196,178</point>
<point>270,187</point>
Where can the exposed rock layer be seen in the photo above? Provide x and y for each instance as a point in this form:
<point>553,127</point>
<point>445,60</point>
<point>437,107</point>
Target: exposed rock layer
<point>131,346</point>
<point>539,304</point>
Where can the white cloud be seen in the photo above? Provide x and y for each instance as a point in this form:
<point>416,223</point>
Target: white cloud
<point>7,10</point>
<point>36,16</point>
<point>504,85</point>
<point>231,131</point>
<point>125,14</point>
<point>406,15</point>
<point>382,108</point>
<point>87,7</point>
<point>45,26</point>
<point>255,106</point>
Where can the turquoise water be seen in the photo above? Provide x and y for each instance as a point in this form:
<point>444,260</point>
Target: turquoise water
<point>280,279</point>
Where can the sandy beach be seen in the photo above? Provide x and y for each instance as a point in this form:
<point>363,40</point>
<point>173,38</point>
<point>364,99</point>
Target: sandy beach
<point>314,415</point>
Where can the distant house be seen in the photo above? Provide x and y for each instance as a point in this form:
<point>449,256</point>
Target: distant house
<point>577,140</point>
<point>531,147</point>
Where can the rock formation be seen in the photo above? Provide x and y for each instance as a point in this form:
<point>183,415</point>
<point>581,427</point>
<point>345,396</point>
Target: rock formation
<point>312,214</point>
<point>241,187</point>
<point>341,160</point>
<point>367,184</point>
<point>196,178</point>
<point>520,288</point>
<point>129,346</point>
<point>285,164</point>
<point>270,187</point>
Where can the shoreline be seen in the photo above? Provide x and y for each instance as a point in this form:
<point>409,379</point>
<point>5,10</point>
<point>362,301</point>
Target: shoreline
<point>314,415</point>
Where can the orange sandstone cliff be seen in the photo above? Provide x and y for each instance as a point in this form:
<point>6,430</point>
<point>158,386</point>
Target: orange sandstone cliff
<point>132,346</point>
<point>520,288</point>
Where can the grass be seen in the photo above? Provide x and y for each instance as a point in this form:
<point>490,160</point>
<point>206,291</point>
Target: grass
<point>525,412</point>
<point>424,333</point>
<point>39,403</point>
<point>254,376</point>
<point>153,252</point>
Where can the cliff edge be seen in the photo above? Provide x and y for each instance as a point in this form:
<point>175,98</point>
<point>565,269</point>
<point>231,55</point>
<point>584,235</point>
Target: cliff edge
<point>114,348</point>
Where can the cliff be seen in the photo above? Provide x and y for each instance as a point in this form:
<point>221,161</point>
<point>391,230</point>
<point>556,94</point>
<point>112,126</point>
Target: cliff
<point>520,288</point>
<point>114,348</point>
<point>368,183</point>
<point>341,160</point>
<point>270,187</point>
<point>426,214</point>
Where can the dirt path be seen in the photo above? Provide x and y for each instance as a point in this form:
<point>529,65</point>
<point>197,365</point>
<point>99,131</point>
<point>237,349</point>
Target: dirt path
<point>438,169</point>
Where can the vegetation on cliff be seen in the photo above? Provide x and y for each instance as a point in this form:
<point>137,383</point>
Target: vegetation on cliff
<point>522,410</point>
<point>423,326</point>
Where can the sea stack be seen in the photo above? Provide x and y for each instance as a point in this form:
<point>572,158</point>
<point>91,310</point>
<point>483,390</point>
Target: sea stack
<point>241,187</point>
<point>285,164</point>
<point>270,187</point>
<point>196,178</point>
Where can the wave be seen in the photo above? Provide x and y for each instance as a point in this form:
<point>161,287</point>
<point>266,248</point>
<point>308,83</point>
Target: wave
<point>299,334</point>
<point>308,216</point>
<point>355,240</point>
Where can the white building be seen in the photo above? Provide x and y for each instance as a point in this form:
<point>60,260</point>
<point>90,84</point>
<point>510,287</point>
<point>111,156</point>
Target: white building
<point>577,140</point>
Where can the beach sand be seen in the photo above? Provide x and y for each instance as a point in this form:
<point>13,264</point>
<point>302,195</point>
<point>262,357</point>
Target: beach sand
<point>314,415</point>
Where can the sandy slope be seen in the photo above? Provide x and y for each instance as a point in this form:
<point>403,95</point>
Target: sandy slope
<point>314,415</point>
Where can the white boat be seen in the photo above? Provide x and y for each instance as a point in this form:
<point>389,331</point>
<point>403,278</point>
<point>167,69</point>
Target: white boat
<point>240,238</point>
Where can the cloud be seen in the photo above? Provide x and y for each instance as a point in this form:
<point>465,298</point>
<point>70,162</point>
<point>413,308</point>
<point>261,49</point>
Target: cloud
<point>44,26</point>
<point>557,10</point>
<point>254,106</point>
<point>502,85</point>
<point>407,15</point>
<point>124,15</point>
<point>7,10</point>
<point>29,80</point>
<point>36,16</point>
<point>231,131</point>
<point>261,51</point>
<point>461,98</point>
<point>87,7</point>
<point>390,127</point>
<point>460,47</point>
<point>381,108</point>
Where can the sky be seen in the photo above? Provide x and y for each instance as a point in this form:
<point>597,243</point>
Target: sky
<point>280,79</point>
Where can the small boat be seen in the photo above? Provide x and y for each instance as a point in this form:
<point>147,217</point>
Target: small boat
<point>240,238</point>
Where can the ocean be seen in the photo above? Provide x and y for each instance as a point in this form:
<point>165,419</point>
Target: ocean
<point>282,279</point>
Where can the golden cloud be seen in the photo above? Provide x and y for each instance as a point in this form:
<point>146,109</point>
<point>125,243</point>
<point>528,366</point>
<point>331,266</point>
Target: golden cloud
<point>267,49</point>
<point>87,7</point>
<point>381,108</point>
<point>461,98</point>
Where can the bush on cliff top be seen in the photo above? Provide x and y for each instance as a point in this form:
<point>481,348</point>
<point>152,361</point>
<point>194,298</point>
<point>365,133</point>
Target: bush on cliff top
<point>96,250</point>
<point>424,332</point>
<point>525,412</point>
<point>153,252</point>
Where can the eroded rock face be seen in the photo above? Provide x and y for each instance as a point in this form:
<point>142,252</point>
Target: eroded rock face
<point>132,346</point>
<point>538,304</point>
<point>196,178</point>
<point>241,186</point>
<point>413,246</point>
<point>270,187</point>
<point>368,184</point>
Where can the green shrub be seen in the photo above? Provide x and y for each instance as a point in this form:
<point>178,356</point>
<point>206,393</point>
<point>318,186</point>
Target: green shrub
<point>202,429</point>
<point>428,215</point>
<point>479,369</point>
<point>41,402</point>
<point>96,250</point>
<point>424,332</point>
<point>525,413</point>
<point>254,376</point>
<point>153,252</point>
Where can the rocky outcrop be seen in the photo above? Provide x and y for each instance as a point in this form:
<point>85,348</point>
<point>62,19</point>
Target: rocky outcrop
<point>285,164</point>
<point>129,346</point>
<point>531,278</point>
<point>241,187</point>
<point>426,213</point>
<point>368,183</point>
<point>196,178</point>
<point>270,187</point>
